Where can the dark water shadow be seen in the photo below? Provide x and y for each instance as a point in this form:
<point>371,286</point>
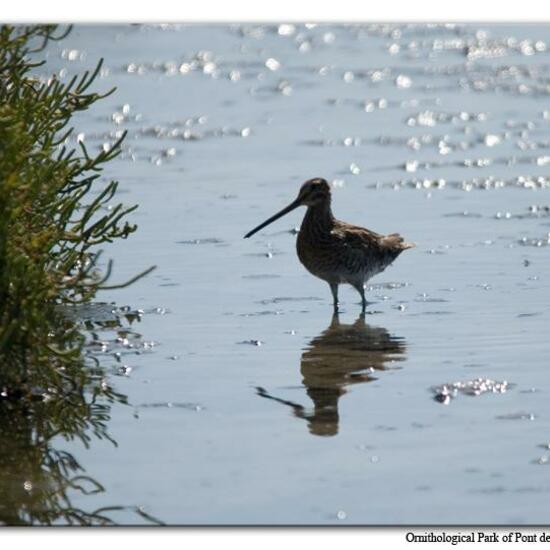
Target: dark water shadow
<point>341,356</point>
<point>39,478</point>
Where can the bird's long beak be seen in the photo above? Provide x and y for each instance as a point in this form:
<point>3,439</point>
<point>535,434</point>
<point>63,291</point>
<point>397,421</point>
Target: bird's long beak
<point>280,214</point>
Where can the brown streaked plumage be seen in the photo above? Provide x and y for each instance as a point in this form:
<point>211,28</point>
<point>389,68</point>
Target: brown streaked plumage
<point>336,251</point>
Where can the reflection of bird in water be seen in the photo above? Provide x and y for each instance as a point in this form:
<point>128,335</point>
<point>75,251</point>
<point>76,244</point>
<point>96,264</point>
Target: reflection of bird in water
<point>336,251</point>
<point>342,355</point>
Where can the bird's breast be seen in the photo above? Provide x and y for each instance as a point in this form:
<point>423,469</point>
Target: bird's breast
<point>320,254</point>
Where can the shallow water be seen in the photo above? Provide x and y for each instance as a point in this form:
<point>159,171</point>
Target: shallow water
<point>252,404</point>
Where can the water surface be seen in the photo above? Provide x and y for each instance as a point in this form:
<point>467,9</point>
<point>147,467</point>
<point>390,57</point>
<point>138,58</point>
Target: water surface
<point>252,404</point>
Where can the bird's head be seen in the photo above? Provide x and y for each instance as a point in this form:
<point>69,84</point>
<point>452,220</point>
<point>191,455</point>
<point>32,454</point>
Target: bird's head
<point>313,192</point>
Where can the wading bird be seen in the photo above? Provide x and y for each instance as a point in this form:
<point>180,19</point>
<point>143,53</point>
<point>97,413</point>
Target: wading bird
<point>336,251</point>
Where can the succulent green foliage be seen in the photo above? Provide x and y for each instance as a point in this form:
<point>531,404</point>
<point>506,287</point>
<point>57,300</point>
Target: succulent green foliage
<point>53,208</point>
<point>53,221</point>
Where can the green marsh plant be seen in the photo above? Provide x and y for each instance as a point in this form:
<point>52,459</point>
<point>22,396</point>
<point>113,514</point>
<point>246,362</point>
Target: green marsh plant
<point>55,216</point>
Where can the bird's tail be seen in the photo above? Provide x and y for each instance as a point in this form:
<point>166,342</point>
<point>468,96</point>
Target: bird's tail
<point>396,240</point>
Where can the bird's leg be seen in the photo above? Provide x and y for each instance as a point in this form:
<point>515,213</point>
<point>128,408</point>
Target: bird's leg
<point>361,289</point>
<point>334,290</point>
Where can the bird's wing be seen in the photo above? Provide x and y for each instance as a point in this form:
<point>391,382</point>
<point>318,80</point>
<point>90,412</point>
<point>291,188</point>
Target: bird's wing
<point>359,246</point>
<point>364,246</point>
<point>358,238</point>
